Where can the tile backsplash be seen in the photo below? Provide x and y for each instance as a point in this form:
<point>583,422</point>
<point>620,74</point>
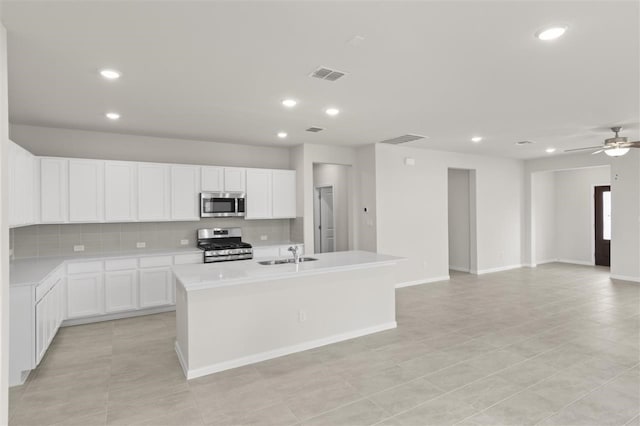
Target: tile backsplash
<point>59,240</point>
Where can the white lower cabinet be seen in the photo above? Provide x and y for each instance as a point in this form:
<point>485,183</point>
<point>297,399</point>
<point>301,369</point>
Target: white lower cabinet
<point>156,287</point>
<point>49,316</point>
<point>85,295</point>
<point>120,291</point>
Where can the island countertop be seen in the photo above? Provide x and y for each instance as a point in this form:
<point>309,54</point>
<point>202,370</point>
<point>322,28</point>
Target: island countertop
<point>211,275</point>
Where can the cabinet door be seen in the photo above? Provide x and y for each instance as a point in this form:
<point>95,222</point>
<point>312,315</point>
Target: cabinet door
<point>120,291</point>
<point>258,195</point>
<point>185,199</point>
<point>26,180</point>
<point>155,287</point>
<point>54,200</point>
<point>153,192</point>
<point>234,179</point>
<point>42,338</point>
<point>120,191</point>
<point>86,190</point>
<point>212,179</point>
<point>12,159</point>
<point>84,295</point>
<point>284,193</point>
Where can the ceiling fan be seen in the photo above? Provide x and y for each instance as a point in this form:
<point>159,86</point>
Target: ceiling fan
<point>613,147</point>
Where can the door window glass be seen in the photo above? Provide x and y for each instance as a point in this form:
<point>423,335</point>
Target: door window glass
<point>606,215</point>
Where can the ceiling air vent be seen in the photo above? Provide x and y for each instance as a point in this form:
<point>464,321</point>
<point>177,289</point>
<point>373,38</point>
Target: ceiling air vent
<point>315,129</point>
<point>328,74</point>
<point>403,139</point>
<point>524,142</point>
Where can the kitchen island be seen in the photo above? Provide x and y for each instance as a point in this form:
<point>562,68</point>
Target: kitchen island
<point>237,313</point>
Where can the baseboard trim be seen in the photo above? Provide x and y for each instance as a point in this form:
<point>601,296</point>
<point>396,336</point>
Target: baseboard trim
<point>575,262</point>
<point>498,269</point>
<point>181,360</point>
<point>117,315</point>
<point>263,356</point>
<point>459,269</point>
<point>424,281</point>
<point>625,278</point>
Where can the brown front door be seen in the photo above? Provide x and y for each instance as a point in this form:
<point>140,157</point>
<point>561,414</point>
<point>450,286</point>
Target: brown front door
<point>603,225</point>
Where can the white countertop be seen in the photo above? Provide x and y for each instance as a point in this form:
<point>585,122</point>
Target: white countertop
<point>34,270</point>
<point>204,276</point>
<point>272,243</point>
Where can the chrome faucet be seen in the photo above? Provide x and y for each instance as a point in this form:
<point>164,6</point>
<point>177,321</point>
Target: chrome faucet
<point>296,255</point>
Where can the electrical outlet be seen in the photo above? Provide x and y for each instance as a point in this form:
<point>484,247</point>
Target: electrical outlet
<point>264,237</point>
<point>141,244</point>
<point>302,316</point>
<point>184,242</point>
<point>79,247</point>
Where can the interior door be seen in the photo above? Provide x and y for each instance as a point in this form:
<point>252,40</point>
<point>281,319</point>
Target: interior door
<point>602,216</point>
<point>324,221</point>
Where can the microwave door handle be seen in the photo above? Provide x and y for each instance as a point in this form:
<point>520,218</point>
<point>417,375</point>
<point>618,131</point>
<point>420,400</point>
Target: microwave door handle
<point>236,207</point>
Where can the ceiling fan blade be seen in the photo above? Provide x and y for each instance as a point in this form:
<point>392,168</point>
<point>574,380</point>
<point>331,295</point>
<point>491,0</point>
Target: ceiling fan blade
<point>635,144</point>
<point>597,152</point>
<point>583,149</point>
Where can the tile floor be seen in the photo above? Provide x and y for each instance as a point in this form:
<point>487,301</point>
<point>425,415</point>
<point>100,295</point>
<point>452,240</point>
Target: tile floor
<point>555,345</point>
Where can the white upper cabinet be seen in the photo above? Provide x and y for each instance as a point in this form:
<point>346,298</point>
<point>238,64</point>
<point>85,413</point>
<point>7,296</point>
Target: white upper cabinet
<point>54,190</point>
<point>185,184</point>
<point>223,179</point>
<point>271,194</point>
<point>22,186</point>
<point>234,179</point>
<point>212,179</point>
<point>284,193</point>
<point>258,196</point>
<point>120,186</point>
<point>86,190</point>
<point>154,192</point>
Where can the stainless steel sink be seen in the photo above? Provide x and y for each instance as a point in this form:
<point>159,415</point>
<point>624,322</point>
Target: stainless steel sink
<point>283,261</point>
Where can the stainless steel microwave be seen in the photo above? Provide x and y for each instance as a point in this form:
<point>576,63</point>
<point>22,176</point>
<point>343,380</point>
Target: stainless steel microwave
<point>222,204</point>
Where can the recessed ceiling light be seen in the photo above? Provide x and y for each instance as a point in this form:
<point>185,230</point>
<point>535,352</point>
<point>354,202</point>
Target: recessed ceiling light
<point>112,115</point>
<point>289,103</point>
<point>551,33</point>
<point>550,150</point>
<point>476,139</point>
<point>332,111</point>
<point>110,74</point>
<point>282,135</point>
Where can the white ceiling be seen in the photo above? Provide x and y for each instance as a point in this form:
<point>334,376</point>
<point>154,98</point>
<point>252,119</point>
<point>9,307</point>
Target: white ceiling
<point>218,71</point>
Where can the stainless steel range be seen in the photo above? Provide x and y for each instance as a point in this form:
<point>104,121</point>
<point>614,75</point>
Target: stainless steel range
<point>223,244</point>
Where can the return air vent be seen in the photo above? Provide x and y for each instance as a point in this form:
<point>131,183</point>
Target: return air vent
<point>328,74</point>
<point>315,129</point>
<point>403,139</point>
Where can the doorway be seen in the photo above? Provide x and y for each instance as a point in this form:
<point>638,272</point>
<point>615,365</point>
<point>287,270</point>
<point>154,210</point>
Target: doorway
<point>462,220</point>
<point>602,216</point>
<point>324,219</point>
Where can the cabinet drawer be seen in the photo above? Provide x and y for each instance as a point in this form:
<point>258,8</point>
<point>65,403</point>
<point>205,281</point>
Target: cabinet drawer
<point>83,267</point>
<point>154,261</point>
<point>120,264</point>
<point>188,259</point>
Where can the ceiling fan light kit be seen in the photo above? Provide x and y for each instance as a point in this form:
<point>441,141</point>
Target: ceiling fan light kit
<point>616,152</point>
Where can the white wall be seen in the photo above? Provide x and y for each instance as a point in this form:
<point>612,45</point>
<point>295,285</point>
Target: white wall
<point>412,210</point>
<point>55,142</point>
<point>336,176</point>
<point>4,233</point>
<point>544,216</point>
<point>459,198</point>
<point>625,217</point>
<point>365,222</point>
<point>574,226</point>
<point>625,206</point>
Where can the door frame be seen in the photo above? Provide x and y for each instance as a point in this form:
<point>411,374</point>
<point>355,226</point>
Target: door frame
<point>593,220</point>
<point>317,238</point>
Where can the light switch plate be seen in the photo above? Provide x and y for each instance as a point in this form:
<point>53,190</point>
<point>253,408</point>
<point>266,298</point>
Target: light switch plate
<point>79,247</point>
<point>264,237</point>
<point>184,242</point>
<point>141,244</point>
